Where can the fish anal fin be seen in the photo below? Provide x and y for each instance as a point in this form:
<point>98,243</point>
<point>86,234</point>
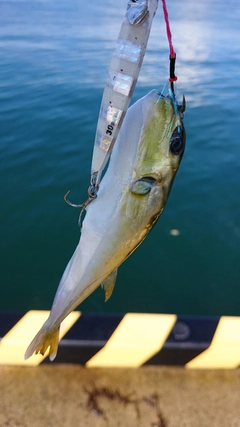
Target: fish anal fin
<point>109,283</point>
<point>45,338</point>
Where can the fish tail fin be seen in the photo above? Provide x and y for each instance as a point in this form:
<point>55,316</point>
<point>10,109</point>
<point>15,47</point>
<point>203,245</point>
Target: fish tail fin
<point>45,338</point>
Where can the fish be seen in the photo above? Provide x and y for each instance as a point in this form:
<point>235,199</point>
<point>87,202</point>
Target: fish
<point>131,197</point>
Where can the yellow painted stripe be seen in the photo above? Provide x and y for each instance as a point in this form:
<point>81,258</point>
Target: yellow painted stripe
<point>14,344</point>
<point>136,339</point>
<point>224,351</point>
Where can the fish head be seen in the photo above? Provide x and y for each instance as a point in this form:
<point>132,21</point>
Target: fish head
<point>159,154</point>
<point>162,141</point>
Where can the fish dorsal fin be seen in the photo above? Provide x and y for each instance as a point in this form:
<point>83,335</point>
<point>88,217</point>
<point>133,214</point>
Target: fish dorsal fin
<point>109,283</point>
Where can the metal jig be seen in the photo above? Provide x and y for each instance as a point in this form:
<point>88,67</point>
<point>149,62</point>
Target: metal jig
<point>123,73</point>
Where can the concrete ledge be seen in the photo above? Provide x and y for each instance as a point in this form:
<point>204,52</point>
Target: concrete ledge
<point>151,396</point>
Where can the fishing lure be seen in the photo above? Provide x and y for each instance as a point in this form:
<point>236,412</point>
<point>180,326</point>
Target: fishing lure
<point>121,80</point>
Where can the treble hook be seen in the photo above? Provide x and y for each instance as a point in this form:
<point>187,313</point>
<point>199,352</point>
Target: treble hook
<point>70,203</point>
<point>92,194</point>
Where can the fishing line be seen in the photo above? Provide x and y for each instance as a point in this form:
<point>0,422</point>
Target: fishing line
<point>172,55</point>
<point>172,58</point>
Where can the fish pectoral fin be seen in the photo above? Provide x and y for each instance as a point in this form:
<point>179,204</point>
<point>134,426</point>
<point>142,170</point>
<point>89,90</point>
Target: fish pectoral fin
<point>45,338</point>
<point>109,283</point>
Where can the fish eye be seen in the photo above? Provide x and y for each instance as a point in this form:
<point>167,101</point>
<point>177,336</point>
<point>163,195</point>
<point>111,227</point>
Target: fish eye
<point>177,142</point>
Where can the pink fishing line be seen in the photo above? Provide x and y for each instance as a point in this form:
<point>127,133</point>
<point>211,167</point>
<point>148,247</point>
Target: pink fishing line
<point>172,55</point>
<point>169,34</point>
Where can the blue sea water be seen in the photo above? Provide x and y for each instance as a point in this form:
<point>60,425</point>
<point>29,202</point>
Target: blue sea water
<point>54,57</point>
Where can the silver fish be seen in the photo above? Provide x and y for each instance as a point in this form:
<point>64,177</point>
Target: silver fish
<point>131,197</point>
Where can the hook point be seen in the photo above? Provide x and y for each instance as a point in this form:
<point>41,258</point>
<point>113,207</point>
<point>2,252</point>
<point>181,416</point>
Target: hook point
<point>70,203</point>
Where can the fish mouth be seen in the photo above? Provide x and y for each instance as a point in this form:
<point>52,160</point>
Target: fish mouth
<point>180,107</point>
